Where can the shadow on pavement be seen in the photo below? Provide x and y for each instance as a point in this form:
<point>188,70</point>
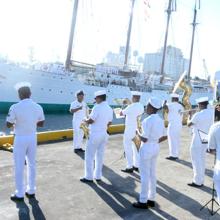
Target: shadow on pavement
<point>36,209</point>
<point>181,200</point>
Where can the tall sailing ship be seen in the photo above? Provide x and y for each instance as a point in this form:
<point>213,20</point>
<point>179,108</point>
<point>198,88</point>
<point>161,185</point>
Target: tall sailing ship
<point>54,85</point>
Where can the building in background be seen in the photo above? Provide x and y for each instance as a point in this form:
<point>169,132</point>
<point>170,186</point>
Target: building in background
<point>117,59</point>
<point>175,63</point>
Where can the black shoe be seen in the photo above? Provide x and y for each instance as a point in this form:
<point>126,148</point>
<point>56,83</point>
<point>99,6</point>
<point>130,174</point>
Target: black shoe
<point>195,185</point>
<point>84,180</point>
<point>140,205</point>
<point>135,169</point>
<point>172,158</point>
<point>150,204</point>
<point>80,150</point>
<point>98,180</point>
<point>16,199</point>
<point>128,170</point>
<point>30,196</point>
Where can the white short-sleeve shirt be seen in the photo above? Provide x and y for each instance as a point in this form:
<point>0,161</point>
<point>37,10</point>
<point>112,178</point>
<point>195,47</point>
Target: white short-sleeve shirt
<point>25,115</point>
<point>153,128</point>
<point>202,120</point>
<point>80,115</point>
<point>214,143</point>
<point>101,114</point>
<point>174,114</point>
<point>132,112</point>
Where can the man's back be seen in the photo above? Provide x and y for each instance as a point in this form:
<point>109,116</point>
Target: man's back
<point>102,114</point>
<point>25,115</point>
<point>203,120</point>
<point>175,115</point>
<point>132,112</point>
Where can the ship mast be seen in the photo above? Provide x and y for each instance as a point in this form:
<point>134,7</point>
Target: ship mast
<point>169,11</point>
<point>194,24</point>
<point>129,36</point>
<point>72,31</point>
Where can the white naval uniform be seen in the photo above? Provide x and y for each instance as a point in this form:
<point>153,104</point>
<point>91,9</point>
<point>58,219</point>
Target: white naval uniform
<point>214,143</point>
<point>25,115</point>
<point>174,128</point>
<point>78,117</point>
<point>101,114</point>
<point>131,113</point>
<point>153,129</point>
<point>201,121</point>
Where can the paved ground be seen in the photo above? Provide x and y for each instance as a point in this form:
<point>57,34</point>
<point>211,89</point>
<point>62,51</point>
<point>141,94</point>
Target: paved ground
<point>61,196</point>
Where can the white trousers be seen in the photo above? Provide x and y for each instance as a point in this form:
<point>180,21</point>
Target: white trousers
<point>173,133</point>
<point>148,172</point>
<point>25,148</point>
<point>77,136</point>
<point>131,153</point>
<point>95,153</point>
<point>217,188</point>
<point>198,155</point>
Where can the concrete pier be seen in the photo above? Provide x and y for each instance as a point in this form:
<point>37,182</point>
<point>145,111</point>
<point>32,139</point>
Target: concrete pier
<point>61,196</point>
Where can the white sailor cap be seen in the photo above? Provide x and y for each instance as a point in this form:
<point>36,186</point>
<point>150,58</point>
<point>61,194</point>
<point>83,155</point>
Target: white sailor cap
<point>155,102</point>
<point>100,92</point>
<point>79,92</point>
<point>174,95</point>
<point>202,99</point>
<point>21,85</point>
<point>136,93</point>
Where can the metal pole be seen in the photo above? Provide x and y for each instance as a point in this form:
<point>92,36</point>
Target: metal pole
<point>192,42</point>
<point>169,11</point>
<point>129,35</point>
<point>72,31</point>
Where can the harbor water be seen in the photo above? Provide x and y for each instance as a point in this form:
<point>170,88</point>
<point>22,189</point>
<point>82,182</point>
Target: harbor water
<point>52,122</point>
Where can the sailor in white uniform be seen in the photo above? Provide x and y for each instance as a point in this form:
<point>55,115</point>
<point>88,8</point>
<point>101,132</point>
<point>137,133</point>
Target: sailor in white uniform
<point>131,113</point>
<point>99,119</point>
<point>24,117</point>
<point>200,122</point>
<point>175,110</point>
<point>79,110</point>
<point>154,132</point>
<point>214,144</point>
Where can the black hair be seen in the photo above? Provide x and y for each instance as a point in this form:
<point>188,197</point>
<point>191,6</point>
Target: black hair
<point>205,104</point>
<point>102,97</point>
<point>154,109</point>
<point>80,93</point>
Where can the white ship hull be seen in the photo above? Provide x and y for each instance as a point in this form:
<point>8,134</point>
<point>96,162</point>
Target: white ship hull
<point>55,91</point>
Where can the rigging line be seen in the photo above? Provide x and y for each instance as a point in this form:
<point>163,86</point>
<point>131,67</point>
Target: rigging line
<point>172,31</point>
<point>173,38</point>
<point>200,59</point>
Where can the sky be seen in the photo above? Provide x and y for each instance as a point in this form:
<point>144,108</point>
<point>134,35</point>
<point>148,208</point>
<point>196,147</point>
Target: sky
<point>44,25</point>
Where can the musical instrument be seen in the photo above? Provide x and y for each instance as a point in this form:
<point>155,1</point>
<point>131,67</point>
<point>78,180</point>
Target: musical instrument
<point>7,147</point>
<point>137,139</point>
<point>187,88</point>
<point>85,128</point>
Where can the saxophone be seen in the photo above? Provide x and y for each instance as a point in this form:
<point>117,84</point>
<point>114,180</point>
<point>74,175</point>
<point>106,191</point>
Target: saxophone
<point>137,139</point>
<point>85,129</point>
<point>84,126</point>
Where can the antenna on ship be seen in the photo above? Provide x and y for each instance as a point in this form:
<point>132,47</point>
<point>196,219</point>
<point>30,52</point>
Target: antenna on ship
<point>194,24</point>
<point>72,32</point>
<point>170,9</point>
<point>129,35</point>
